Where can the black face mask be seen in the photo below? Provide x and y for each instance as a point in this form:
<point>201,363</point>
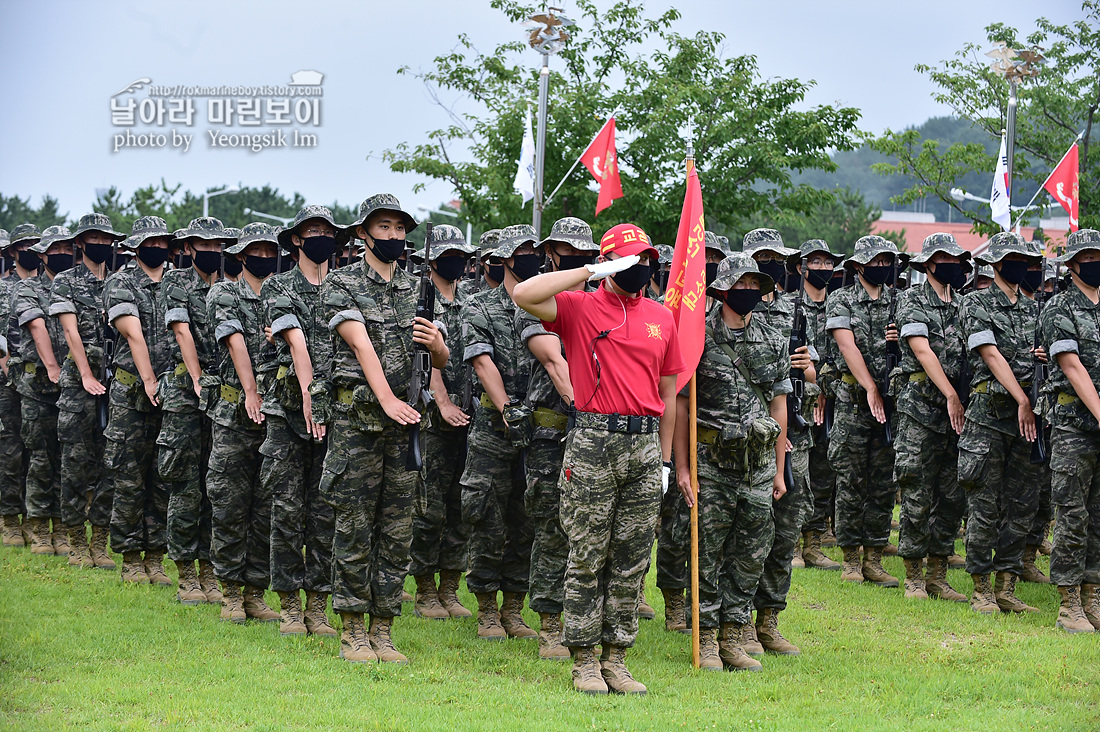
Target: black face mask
<point>880,275</point>
<point>388,250</point>
<point>343,261</point>
<point>233,266</point>
<point>743,301</point>
<point>319,249</point>
<point>495,272</point>
<point>819,278</point>
<point>574,261</point>
<point>947,273</point>
<point>526,266</point>
<point>258,267</point>
<point>98,253</point>
<point>59,262</point>
<point>183,261</point>
<point>208,262</point>
<point>450,268</point>
<point>1033,280</point>
<point>284,263</point>
<point>633,279</point>
<point>1089,272</point>
<point>712,273</point>
<point>152,257</point>
<point>29,260</point>
<point>776,270</point>
<point>1013,272</point>
<point>835,283</point>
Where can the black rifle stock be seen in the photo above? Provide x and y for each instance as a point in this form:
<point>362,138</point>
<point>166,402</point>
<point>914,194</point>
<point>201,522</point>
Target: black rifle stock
<point>1040,451</point>
<point>893,359</point>
<point>798,377</point>
<point>420,394</point>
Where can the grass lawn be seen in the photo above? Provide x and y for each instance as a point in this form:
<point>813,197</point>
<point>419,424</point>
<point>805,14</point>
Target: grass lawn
<point>80,650</point>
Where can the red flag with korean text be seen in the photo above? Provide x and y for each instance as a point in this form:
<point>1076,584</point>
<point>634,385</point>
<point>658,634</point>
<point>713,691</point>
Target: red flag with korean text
<point>1063,183</point>
<point>603,164</point>
<point>686,294</point>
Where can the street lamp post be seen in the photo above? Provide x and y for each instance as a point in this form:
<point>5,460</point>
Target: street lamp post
<point>1015,66</point>
<point>280,219</point>
<point>210,194</point>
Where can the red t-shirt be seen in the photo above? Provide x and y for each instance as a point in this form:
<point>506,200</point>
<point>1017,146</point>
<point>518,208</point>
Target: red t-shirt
<point>632,358</point>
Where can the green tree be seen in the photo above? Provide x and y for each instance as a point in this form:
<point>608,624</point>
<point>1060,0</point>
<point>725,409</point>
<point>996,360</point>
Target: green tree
<point>1060,103</point>
<point>839,220</point>
<point>750,136</point>
<point>15,210</point>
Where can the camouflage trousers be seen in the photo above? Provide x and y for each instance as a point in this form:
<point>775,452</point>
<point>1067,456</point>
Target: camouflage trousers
<point>736,531</point>
<point>673,540</point>
<point>610,488</point>
<point>85,489</point>
<point>139,508</point>
<point>183,457</point>
<point>11,453</point>
<point>864,468</point>
<point>1002,494</point>
<point>822,484</point>
<point>300,517</point>
<point>240,508</point>
<point>371,494</point>
<point>926,468</point>
<point>439,537</point>
<point>550,547</point>
<point>1044,514</point>
<point>493,485</point>
<point>43,459</point>
<point>1075,489</point>
<point>787,516</point>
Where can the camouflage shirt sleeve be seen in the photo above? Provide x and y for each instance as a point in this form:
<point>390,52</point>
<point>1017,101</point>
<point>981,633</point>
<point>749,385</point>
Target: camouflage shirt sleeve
<point>61,295</point>
<point>477,331</point>
<point>279,311</point>
<point>977,322</point>
<point>175,300</point>
<point>119,299</point>
<point>222,302</point>
<point>1059,331</point>
<point>838,312</point>
<point>339,302</point>
<point>912,319</point>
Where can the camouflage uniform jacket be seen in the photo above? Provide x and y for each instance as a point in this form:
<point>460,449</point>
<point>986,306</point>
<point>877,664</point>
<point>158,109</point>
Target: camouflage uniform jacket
<point>819,340</point>
<point>921,312</point>
<point>988,317</point>
<point>182,299</point>
<point>449,315</point>
<point>7,290</point>
<point>291,301</point>
<point>1071,324</point>
<point>78,291</point>
<point>236,308</point>
<point>491,328</point>
<point>387,309</point>
<point>541,391</point>
<point>31,300</point>
<point>854,310</point>
<point>132,292</point>
<point>779,314</point>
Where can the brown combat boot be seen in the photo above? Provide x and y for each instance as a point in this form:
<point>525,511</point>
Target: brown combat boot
<point>133,570</point>
<point>955,562</point>
<point>709,660</point>
<point>189,592</point>
<point>290,614</point>
<point>914,579</point>
<point>1090,604</point>
<point>1046,547</point>
<point>154,567</point>
<point>1071,615</point>
<point>550,647</point>
<point>890,550</point>
<point>983,600</point>
<point>1004,590</point>
<point>675,612</point>
<point>80,554</point>
<point>749,641</point>
<point>40,533</point>
<point>448,594</point>
<point>767,630</point>
<point>354,643</point>
<point>645,610</point>
<point>382,642</point>
<point>406,597</point>
<point>208,584</point>
<point>852,570</point>
<point>1031,571</point>
<point>873,571</point>
<point>797,562</point>
<point>812,556</point>
<point>98,547</point>
<point>233,603</point>
<point>587,674</point>
<point>616,674</point>
<point>26,530</point>
<point>935,581</point>
<point>732,652</point>
<point>255,607</point>
<point>488,617</point>
<point>316,618</point>
<point>511,616</point>
<point>59,539</point>
<point>828,539</point>
<point>12,535</point>
<point>427,599</point>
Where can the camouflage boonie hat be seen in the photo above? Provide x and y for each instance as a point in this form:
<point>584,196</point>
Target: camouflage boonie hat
<point>304,215</point>
<point>5,239</point>
<point>713,241</point>
<point>23,232</point>
<point>664,253</point>
<point>812,246</point>
<point>734,267</point>
<point>447,238</point>
<point>377,202</point>
<point>513,237</point>
<point>1080,241</point>
<point>254,232</point>
<point>939,242</point>
<point>768,240</point>
<point>97,222</point>
<point>985,270</point>
<point>574,232</point>
<point>208,228</point>
<point>145,228</point>
<point>1003,244</point>
<point>869,247</point>
<point>52,235</point>
<point>488,243</point>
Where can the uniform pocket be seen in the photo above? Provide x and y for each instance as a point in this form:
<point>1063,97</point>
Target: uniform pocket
<point>173,453</point>
<point>973,451</point>
<point>335,466</point>
<point>475,503</point>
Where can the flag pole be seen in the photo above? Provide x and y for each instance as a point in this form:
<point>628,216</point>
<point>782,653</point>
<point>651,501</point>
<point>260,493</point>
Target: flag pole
<point>578,160</point>
<point>1044,184</point>
<point>540,144</point>
<point>693,466</point>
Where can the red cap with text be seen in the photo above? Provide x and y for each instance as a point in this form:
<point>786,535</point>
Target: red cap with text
<point>627,239</point>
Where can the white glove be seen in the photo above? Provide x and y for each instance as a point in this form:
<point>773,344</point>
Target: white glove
<point>666,472</point>
<point>600,270</point>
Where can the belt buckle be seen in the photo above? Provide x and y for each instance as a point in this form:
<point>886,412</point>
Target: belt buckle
<point>633,424</point>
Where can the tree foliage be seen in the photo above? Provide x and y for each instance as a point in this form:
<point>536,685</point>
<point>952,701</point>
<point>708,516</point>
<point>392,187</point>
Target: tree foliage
<point>15,211</point>
<point>839,220</point>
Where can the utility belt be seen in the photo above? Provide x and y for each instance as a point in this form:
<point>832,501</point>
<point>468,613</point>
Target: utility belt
<point>992,386</point>
<point>630,424</point>
<point>1065,398</point>
<point>544,417</point>
<point>739,447</point>
<point>231,394</point>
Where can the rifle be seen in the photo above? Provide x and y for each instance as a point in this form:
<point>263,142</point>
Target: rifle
<point>893,359</point>
<point>798,377</point>
<point>420,395</point>
<point>1039,449</point>
<point>107,347</point>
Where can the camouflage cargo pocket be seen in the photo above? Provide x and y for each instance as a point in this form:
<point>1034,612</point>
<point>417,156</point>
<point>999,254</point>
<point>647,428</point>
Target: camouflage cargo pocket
<point>973,455</point>
<point>335,465</point>
<point>475,503</point>
<point>174,453</point>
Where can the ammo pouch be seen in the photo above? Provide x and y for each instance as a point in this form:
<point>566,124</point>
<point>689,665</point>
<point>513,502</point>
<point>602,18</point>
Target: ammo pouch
<point>320,397</point>
<point>287,389</point>
<point>810,393</point>
<point>519,427</point>
<point>210,394</point>
<point>746,448</point>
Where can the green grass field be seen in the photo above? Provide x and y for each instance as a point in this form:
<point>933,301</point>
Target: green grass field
<point>80,650</point>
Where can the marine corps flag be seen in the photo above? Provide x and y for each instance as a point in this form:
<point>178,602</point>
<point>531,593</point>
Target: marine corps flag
<point>603,164</point>
<point>686,295</point>
<point>1063,182</point>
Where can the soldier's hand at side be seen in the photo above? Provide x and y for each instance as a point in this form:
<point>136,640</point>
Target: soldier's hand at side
<point>53,373</point>
<point>427,334</point>
<point>316,430</point>
<point>1040,353</point>
<point>956,412</point>
<point>779,487</point>
<point>819,410</point>
<point>252,405</point>
<point>93,386</point>
<point>878,409</point>
<point>452,415</point>
<point>400,412</point>
<point>801,360</point>
<point>683,482</point>
<point>151,392</point>
<point>892,332</point>
<point>267,335</point>
<point>1026,419</point>
<point>197,387</point>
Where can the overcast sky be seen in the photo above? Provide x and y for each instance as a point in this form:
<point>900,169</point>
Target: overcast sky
<point>63,62</point>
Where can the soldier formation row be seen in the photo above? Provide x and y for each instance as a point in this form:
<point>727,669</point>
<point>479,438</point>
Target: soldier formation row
<point>245,411</point>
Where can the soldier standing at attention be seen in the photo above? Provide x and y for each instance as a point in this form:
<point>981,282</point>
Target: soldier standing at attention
<point>492,269</point>
<point>858,319</point>
<point>1071,330</point>
<point>995,469</point>
<point>77,302</point>
<point>624,360</point>
<point>371,307</point>
<point>930,418</point>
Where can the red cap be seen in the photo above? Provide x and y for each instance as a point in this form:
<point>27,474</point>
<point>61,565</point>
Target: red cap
<point>627,239</point>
